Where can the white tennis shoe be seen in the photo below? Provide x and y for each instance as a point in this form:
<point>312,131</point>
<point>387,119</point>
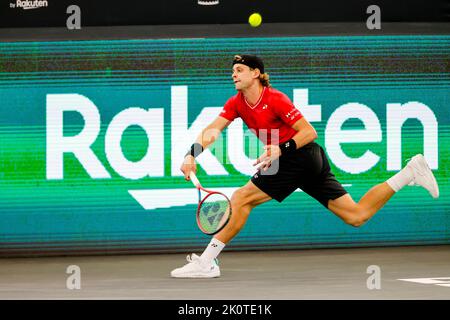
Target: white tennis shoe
<point>196,268</point>
<point>423,176</point>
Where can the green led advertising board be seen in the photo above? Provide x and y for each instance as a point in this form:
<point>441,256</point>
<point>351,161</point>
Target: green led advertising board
<point>93,133</point>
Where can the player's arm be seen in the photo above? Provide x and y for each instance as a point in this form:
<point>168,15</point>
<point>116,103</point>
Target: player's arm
<point>204,139</point>
<point>305,133</point>
<point>212,132</point>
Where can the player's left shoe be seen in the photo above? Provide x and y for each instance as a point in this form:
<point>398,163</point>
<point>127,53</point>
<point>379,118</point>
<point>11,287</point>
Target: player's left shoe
<point>423,176</point>
<point>196,268</point>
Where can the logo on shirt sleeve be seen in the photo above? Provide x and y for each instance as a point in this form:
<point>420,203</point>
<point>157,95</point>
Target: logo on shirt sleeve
<point>292,114</point>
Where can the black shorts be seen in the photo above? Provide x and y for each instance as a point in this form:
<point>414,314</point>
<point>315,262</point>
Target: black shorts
<point>308,169</point>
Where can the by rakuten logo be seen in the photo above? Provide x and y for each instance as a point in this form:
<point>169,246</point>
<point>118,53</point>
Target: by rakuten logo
<point>29,4</point>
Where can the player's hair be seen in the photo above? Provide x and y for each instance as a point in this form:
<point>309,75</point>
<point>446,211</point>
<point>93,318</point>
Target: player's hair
<point>264,78</point>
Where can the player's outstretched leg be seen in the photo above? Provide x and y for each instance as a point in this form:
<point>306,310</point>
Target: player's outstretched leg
<point>416,172</point>
<point>206,266</point>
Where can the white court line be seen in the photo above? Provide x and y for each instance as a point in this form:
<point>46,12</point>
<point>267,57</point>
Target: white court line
<point>438,281</point>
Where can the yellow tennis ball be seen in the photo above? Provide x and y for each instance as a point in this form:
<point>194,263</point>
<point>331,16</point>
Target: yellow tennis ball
<point>255,19</point>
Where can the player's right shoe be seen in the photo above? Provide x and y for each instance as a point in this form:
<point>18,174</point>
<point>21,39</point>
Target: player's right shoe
<point>423,176</point>
<point>196,268</point>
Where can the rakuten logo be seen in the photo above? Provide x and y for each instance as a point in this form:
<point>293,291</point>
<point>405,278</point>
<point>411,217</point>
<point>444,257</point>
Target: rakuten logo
<point>31,4</point>
<point>152,120</point>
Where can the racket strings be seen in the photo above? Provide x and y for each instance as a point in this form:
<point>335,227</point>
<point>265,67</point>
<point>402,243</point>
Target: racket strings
<point>214,212</point>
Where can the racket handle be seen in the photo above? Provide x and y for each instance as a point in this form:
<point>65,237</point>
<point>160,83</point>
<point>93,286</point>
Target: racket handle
<point>194,179</point>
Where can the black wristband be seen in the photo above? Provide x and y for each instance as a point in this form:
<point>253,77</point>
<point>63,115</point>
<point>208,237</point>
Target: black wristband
<point>195,150</point>
<point>288,147</point>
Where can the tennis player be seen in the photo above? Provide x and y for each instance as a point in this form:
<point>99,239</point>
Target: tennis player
<point>300,163</point>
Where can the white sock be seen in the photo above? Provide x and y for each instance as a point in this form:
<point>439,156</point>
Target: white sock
<point>400,179</point>
<point>212,250</point>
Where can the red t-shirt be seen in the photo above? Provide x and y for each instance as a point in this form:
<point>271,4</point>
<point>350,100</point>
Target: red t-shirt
<point>273,114</point>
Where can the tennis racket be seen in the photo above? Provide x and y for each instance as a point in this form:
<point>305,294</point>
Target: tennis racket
<point>214,209</point>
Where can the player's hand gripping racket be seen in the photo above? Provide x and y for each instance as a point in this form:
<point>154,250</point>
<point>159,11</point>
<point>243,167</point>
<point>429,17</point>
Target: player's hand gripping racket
<point>213,211</point>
